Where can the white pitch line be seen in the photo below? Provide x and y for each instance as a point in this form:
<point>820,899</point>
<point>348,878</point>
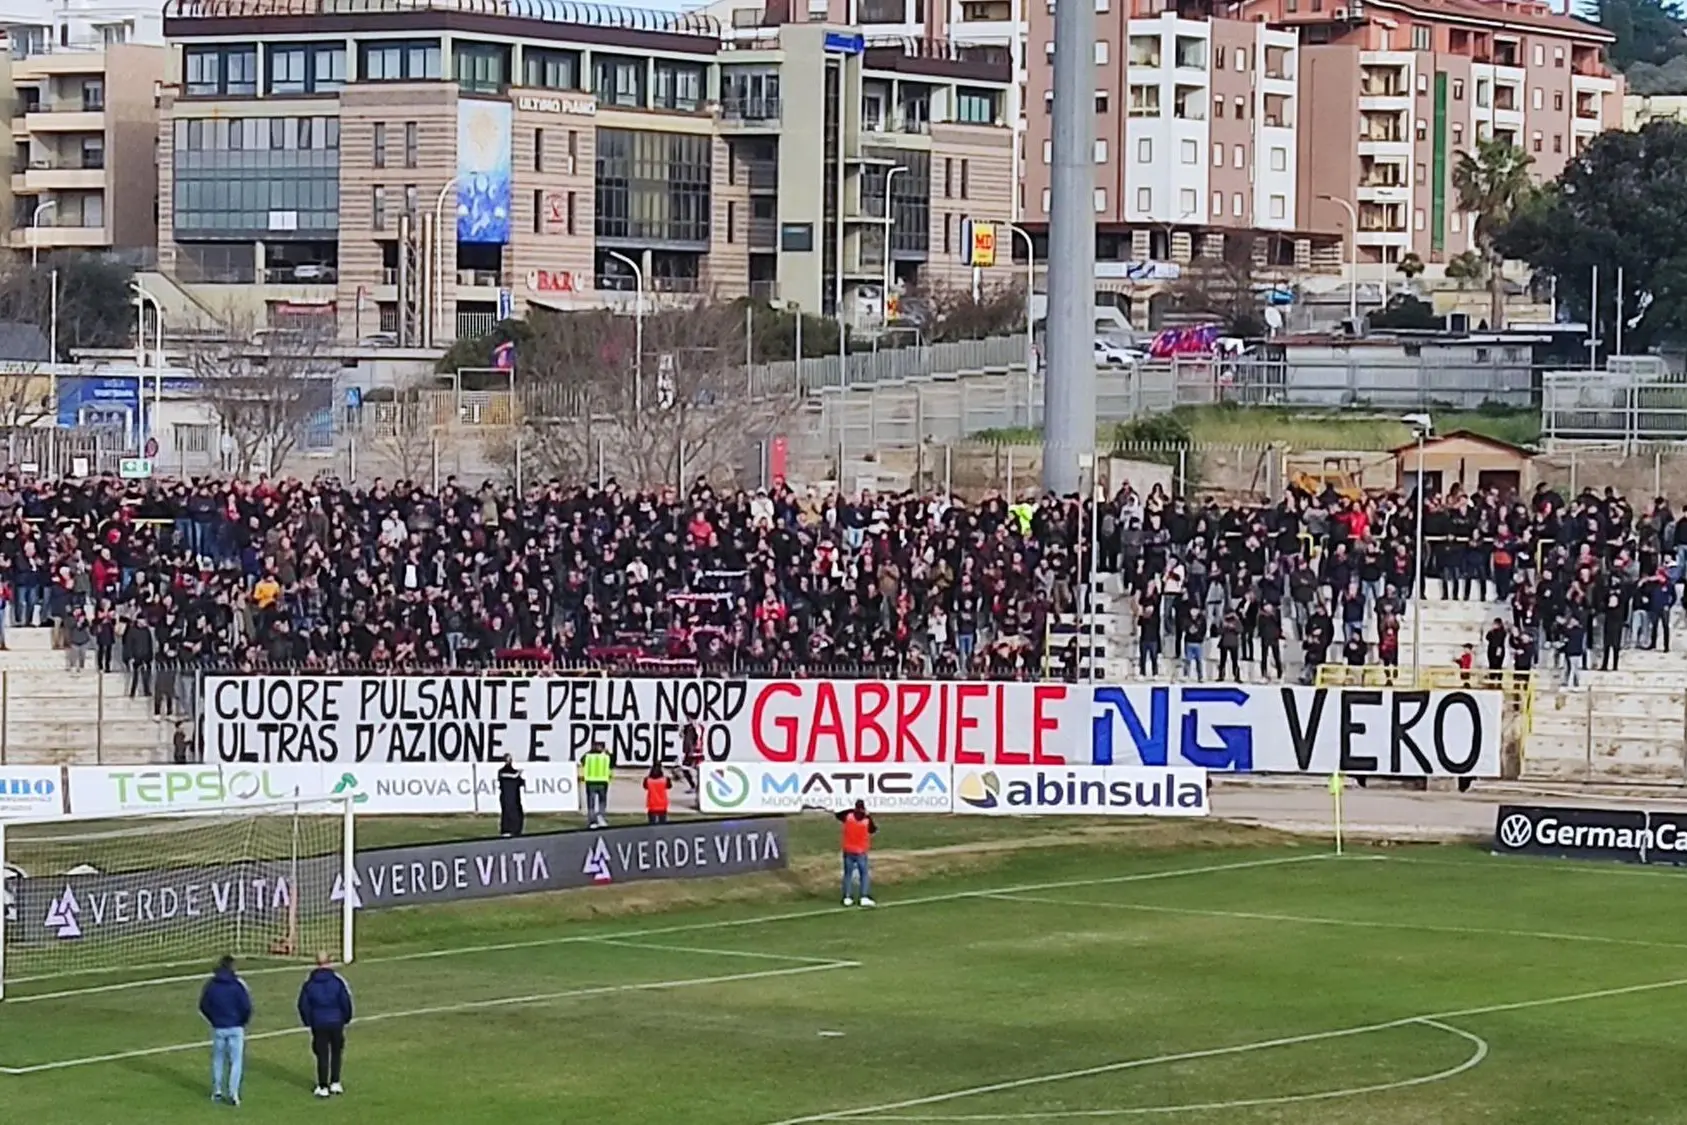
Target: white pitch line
<point>693,927</point>
<point>444,1009</point>
<point>1217,1052</point>
<point>794,958</point>
<point>1534,863</point>
<point>1476,1059</point>
<point>1307,920</point>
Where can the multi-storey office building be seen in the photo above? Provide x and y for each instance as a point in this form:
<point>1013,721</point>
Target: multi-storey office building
<point>418,168</point>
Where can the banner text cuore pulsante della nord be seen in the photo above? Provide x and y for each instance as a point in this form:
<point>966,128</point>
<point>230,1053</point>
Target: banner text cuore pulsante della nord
<point>555,719</point>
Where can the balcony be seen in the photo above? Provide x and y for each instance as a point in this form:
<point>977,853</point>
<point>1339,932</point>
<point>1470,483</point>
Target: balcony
<point>44,176</point>
<point>302,275</point>
<point>763,175</point>
<point>764,234</point>
<point>1190,103</point>
<point>764,290</point>
<point>473,325</point>
<point>750,112</point>
<point>479,279</point>
<point>1587,107</point>
<point>1277,63</point>
<point>1145,51</point>
<point>70,118</point>
<point>1190,53</point>
<point>50,237</point>
<point>1145,101</point>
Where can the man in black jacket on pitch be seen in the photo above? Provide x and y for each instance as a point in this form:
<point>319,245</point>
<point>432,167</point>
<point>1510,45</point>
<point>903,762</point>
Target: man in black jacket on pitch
<point>511,818</point>
<point>325,1008</point>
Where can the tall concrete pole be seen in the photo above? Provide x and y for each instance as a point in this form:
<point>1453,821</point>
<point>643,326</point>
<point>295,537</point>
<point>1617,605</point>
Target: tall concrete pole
<point>1069,332</point>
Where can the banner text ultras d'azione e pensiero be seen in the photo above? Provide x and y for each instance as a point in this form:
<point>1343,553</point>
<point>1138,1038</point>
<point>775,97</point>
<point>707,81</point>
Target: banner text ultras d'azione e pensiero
<point>1246,727</point>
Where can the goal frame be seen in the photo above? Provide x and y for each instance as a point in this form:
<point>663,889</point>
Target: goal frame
<point>348,847</point>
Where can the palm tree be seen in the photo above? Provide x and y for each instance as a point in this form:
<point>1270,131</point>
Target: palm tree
<point>1492,183</point>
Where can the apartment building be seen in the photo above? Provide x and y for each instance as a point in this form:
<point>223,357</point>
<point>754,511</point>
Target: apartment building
<point>84,125</point>
<point>1415,82</point>
<point>415,171</point>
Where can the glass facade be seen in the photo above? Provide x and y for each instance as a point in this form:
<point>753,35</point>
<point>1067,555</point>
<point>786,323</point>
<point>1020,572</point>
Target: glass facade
<point>257,177</point>
<point>653,188</point>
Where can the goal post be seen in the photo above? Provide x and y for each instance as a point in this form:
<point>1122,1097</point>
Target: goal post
<point>124,896</point>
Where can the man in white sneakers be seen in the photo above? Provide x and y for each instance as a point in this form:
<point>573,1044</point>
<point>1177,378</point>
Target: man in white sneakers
<point>325,1008</point>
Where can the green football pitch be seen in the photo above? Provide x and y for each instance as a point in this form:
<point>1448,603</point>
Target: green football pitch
<point>1173,974</point>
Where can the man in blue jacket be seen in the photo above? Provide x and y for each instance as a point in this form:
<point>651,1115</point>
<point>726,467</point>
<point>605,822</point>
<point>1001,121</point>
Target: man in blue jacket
<point>227,1007</point>
<point>325,1008</point>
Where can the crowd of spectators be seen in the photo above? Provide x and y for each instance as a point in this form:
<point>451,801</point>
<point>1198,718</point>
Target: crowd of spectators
<point>160,576</point>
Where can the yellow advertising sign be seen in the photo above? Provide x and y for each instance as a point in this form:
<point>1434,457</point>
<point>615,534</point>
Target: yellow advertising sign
<point>981,245</point>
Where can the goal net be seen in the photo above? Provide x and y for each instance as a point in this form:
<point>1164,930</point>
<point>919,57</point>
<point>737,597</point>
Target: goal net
<point>125,895</point>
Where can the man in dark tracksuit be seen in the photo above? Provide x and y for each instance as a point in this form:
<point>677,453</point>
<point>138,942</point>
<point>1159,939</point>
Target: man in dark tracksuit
<point>511,818</point>
<point>325,1008</point>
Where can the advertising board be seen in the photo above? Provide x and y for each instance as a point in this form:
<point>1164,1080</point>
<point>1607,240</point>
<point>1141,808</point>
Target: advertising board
<point>1576,832</point>
<point>1081,791</point>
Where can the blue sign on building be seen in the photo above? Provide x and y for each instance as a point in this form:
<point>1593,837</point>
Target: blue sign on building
<point>844,43</point>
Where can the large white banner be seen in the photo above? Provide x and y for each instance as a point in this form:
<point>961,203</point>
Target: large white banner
<point>420,720</point>
<point>31,792</point>
<point>376,788</point>
<point>1081,791</point>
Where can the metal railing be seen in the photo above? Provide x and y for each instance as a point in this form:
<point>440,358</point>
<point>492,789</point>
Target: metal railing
<point>750,109</point>
<point>891,365</point>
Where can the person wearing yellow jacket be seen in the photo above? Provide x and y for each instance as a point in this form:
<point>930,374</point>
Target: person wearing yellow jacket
<point>594,771</point>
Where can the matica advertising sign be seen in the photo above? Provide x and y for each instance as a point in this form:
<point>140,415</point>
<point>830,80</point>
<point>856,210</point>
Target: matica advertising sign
<point>470,869</point>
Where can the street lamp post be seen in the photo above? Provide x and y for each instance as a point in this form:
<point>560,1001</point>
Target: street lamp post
<point>1421,426</point>
<point>35,231</point>
<point>1030,322</point>
<point>436,296</point>
<point>890,231</point>
<point>638,327</point>
<point>142,296</point>
<point>1352,255</point>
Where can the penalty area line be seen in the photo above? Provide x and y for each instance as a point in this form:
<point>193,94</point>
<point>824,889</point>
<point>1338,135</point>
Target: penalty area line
<point>871,1111</point>
<point>532,999</point>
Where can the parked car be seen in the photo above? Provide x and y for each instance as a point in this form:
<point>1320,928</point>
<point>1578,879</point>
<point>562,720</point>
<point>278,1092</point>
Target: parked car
<point>1109,354</point>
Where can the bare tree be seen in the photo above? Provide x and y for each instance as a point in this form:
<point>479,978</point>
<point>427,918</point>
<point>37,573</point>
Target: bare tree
<point>263,390</point>
<point>946,312</point>
<point>405,429</point>
<point>1222,289</point>
<point>687,410</point>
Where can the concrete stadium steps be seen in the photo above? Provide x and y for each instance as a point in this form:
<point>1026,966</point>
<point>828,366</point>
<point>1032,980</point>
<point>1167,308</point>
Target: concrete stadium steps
<point>1623,732</point>
<point>1446,627</point>
<point>51,716</point>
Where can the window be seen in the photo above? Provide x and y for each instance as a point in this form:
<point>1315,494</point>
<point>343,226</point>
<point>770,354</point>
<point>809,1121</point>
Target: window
<point>653,186</point>
<point>481,68</point>
<point>1145,150</point>
<point>1100,200</point>
<point>287,70</point>
<point>412,144</point>
<point>1558,101</point>
<point>1558,142</point>
<point>1218,204</point>
<point>549,69</point>
<point>975,108</point>
<point>1239,156</point>
<point>1144,199</point>
<point>380,153</point>
<point>949,170</point>
<point>213,71</point>
<point>1421,173</point>
<point>948,221</point>
<point>1218,106</point>
<point>1237,206</point>
<point>538,211</point>
<point>1458,89</point>
<point>570,213</point>
<point>401,61</point>
<point>1241,59</point>
<point>412,200</point>
<point>1279,160</point>
<point>946,225</point>
<point>327,68</point>
<point>1458,132</point>
<point>1187,201</point>
<point>378,208</point>
<point>965,166</point>
<point>1101,150</point>
<point>1048,101</point>
<point>1418,219</point>
<point>1423,84</point>
<point>618,81</point>
<point>1558,57</point>
<point>1241,108</point>
<point>1101,101</point>
<point>1457,222</point>
<point>1420,37</point>
<point>538,150</point>
<point>678,86</point>
<point>1539,98</point>
<point>1218,58</point>
<point>731,220</point>
<point>93,152</point>
<point>1101,52</point>
<point>1536,141</point>
<point>1422,129</point>
<point>1189,151</point>
<point>1279,207</point>
<point>1540,55</point>
<point>1218,155</point>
